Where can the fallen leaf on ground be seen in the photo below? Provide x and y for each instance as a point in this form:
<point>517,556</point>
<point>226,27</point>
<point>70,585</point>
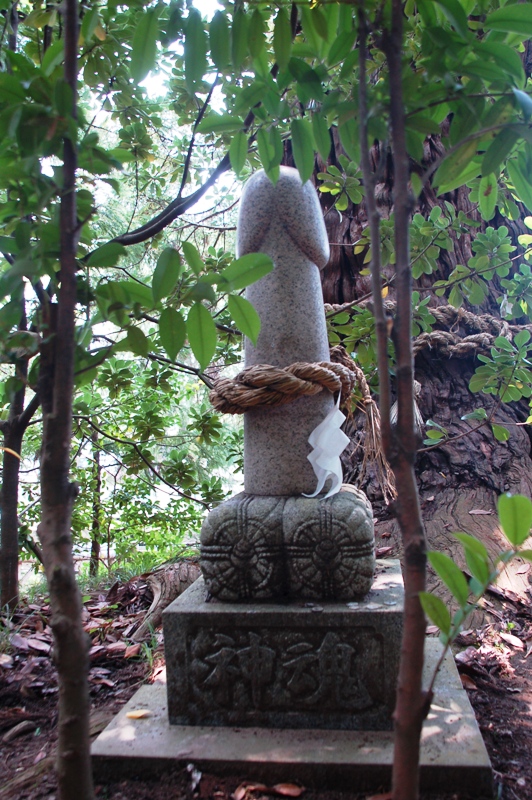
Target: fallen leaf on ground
<point>40,755</point>
<point>288,789</point>
<point>116,647</point>
<point>244,788</point>
<point>6,661</point>
<point>18,641</point>
<point>380,552</point>
<point>139,713</point>
<point>480,512</point>
<point>467,682</point>
<point>132,651</point>
<point>38,644</point>
<point>513,640</point>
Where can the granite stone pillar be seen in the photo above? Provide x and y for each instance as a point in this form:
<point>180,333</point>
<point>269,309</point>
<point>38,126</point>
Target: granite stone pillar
<point>284,221</point>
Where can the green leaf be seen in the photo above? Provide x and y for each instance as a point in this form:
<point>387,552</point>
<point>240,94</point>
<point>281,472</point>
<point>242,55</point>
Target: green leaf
<point>166,273</point>
<point>256,37</point>
<point>282,39</point>
<point>456,16</point>
<point>436,611</point>
<point>238,151</point>
<point>511,19</point>
<point>201,291</point>
<point>195,50</point>
<point>505,57</point>
<point>349,139</point>
<point>219,123</point>
<point>524,101</point>
<point>201,332</point>
<point>220,41</point>
<point>245,316</point>
<point>487,196</point>
<point>193,258</point>
<point>501,434</point>
<point>268,152</point>
<point>526,554</point>
<point>454,164</point>
<point>479,568</point>
<point>521,338</point>
<point>517,170</point>
<point>503,344</point>
<point>247,270</point>
<point>432,434</point>
<point>137,341</point>
<point>144,44</point>
<point>172,331</point>
<point>91,19</point>
<point>53,57</point>
<point>11,88</point>
<point>63,97</point>
<point>136,292</point>
<point>239,39</point>
<point>303,147</point>
<point>498,150</point>
<point>107,255</point>
<point>322,137</point>
<point>472,544</point>
<point>515,516</point>
<point>341,47</point>
<point>451,575</point>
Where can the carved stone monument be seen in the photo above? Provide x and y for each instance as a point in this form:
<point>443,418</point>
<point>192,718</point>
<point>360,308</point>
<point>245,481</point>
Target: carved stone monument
<point>247,653</point>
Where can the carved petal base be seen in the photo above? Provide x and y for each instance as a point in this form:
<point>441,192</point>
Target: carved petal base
<point>280,548</point>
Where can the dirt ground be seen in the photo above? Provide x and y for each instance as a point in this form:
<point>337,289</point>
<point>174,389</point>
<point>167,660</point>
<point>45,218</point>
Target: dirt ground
<point>493,661</point>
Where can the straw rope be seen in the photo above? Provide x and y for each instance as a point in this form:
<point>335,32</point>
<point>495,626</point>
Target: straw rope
<point>264,385</point>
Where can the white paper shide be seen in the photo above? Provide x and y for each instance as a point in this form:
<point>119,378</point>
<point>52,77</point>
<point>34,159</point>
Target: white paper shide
<point>328,443</point>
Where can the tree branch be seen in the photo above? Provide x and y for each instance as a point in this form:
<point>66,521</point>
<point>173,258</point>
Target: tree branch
<point>374,226</point>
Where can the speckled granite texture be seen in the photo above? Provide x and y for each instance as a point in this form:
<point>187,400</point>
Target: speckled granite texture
<point>285,221</point>
<point>257,548</point>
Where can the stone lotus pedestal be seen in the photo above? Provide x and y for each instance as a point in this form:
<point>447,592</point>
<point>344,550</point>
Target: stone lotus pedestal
<point>262,548</point>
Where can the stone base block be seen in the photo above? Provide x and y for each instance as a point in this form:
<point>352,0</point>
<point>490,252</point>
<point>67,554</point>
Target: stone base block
<point>297,665</point>
<point>256,548</point>
<point>453,757</point>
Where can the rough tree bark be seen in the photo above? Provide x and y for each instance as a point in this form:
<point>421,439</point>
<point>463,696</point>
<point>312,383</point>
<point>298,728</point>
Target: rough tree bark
<point>56,383</point>
<point>13,430</point>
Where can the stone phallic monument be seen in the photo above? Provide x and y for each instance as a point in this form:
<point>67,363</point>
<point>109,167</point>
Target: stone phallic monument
<point>242,646</point>
<point>271,542</point>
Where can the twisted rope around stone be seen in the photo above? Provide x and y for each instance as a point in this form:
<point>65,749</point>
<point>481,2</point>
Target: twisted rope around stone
<point>264,385</point>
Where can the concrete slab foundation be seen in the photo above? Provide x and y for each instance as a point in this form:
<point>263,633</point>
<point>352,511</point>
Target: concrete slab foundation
<point>294,665</point>
<point>453,755</point>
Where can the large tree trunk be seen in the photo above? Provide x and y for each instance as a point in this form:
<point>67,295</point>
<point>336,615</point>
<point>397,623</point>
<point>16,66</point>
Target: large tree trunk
<point>466,474</point>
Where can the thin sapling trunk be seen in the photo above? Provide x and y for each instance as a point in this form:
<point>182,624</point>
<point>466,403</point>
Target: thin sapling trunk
<point>57,492</point>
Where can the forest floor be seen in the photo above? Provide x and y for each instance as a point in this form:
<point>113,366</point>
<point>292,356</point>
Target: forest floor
<point>494,662</point>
